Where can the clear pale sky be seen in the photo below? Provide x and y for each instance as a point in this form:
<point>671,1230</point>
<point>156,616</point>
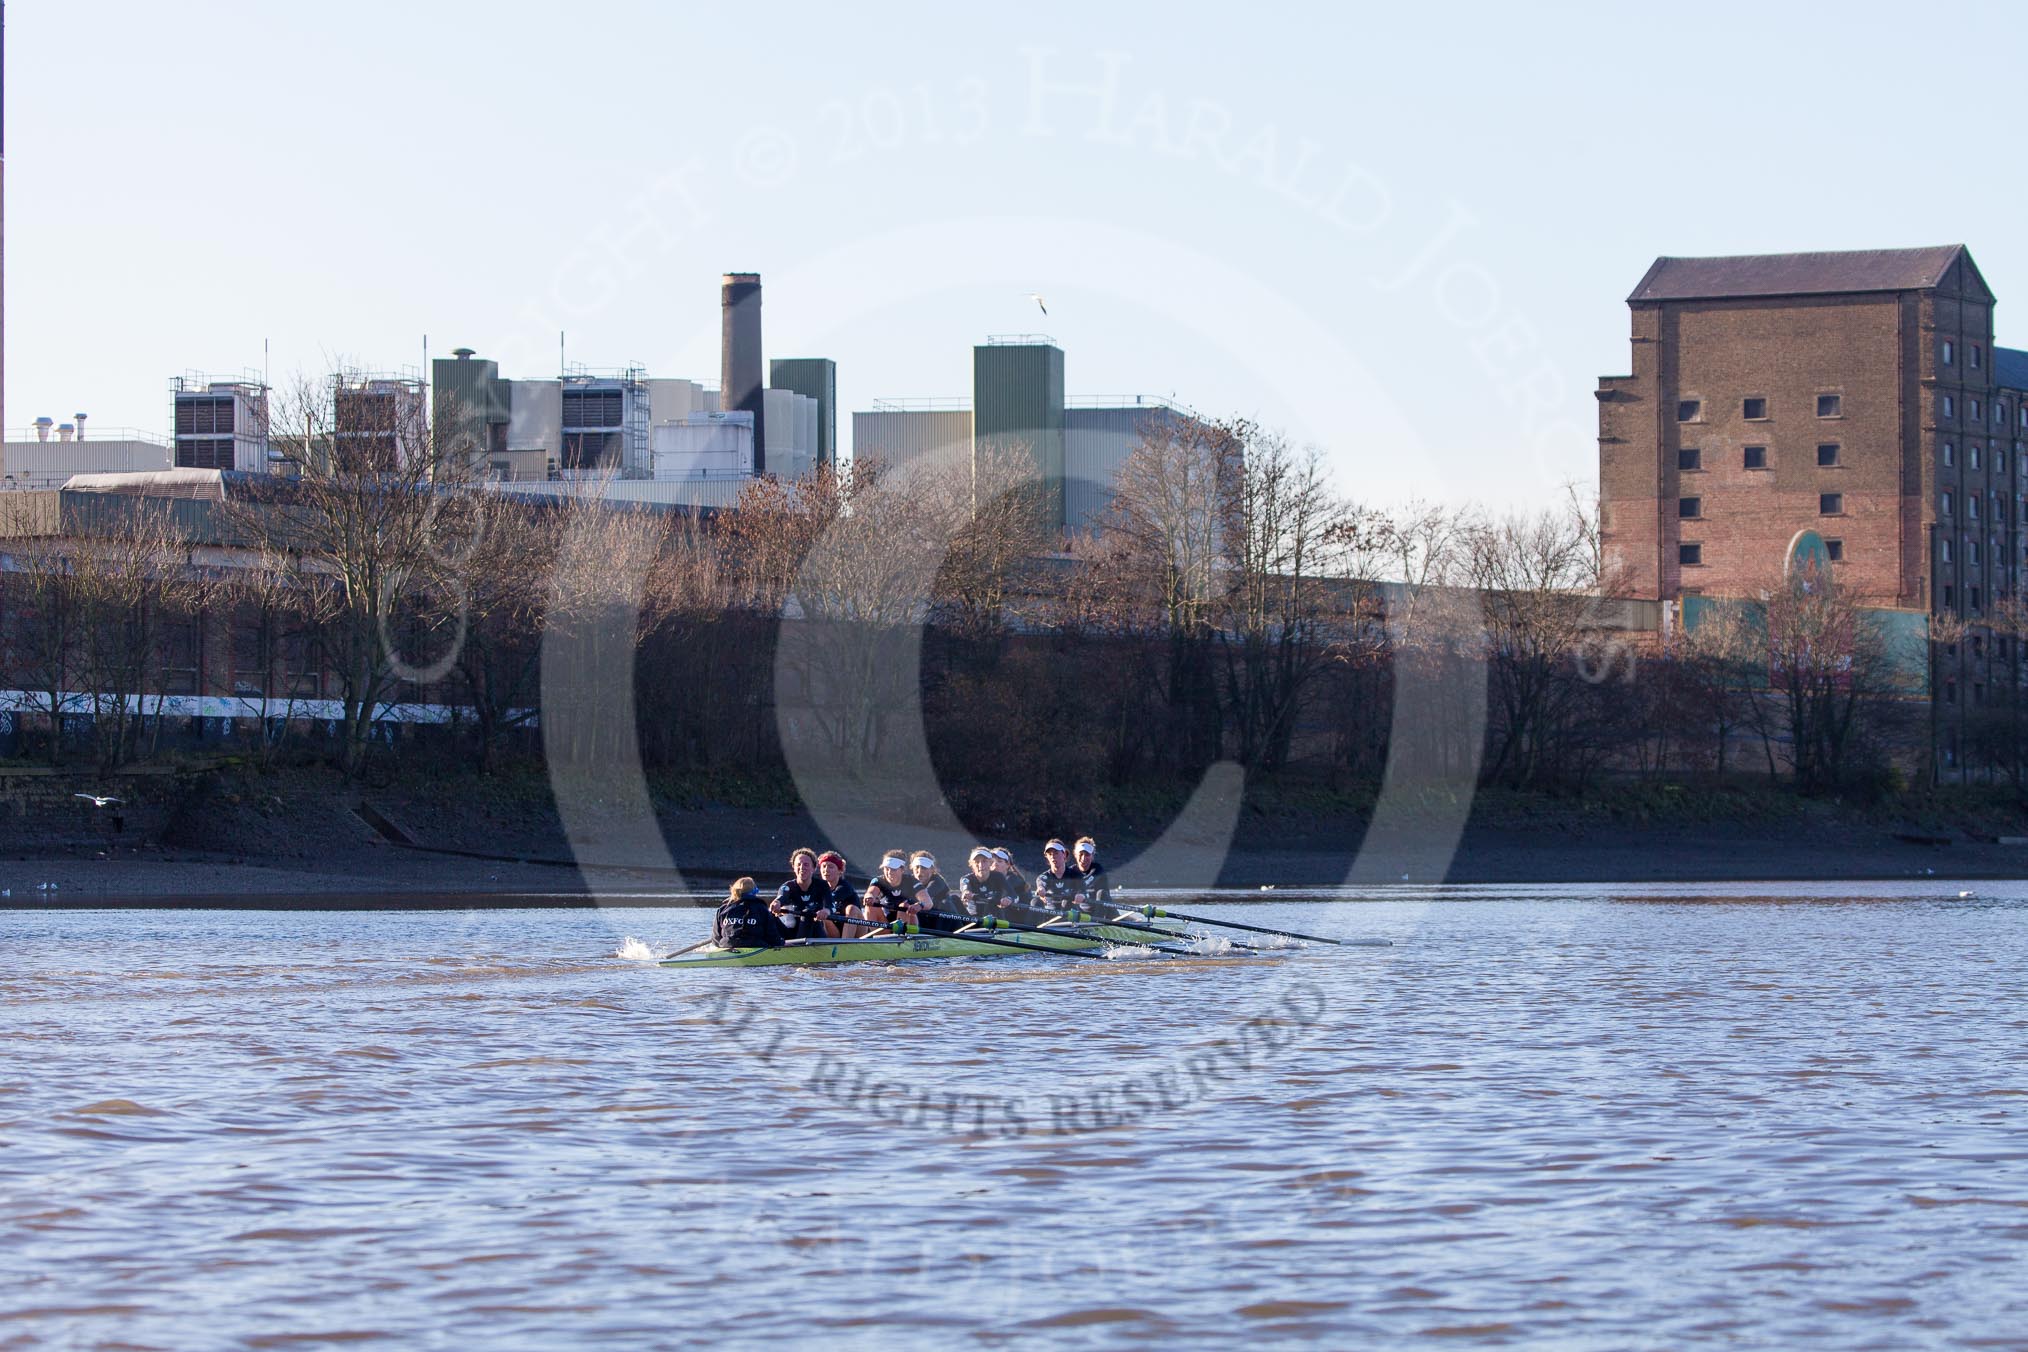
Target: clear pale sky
<point>1405,235</point>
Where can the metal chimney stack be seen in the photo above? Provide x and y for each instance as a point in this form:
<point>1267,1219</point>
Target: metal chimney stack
<point>42,426</point>
<point>79,419</point>
<point>739,380</point>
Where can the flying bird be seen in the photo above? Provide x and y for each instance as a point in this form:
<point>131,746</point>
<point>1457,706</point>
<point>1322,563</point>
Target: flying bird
<point>96,799</point>
<point>1037,298</point>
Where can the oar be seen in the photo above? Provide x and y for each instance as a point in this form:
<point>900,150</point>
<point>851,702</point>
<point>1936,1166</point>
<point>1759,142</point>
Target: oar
<point>1151,912</point>
<point>1122,922</point>
<point>900,927</point>
<point>994,922</point>
<point>681,951</point>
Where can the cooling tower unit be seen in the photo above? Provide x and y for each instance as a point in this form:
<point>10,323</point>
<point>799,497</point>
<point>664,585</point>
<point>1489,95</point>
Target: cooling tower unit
<point>740,355</point>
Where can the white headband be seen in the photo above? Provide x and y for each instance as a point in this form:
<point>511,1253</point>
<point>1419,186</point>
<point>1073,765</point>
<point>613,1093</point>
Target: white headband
<point>894,861</point>
<point>924,858</point>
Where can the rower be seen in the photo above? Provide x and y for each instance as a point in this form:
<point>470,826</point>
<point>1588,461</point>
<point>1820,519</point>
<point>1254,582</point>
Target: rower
<point>1092,880</point>
<point>983,890</point>
<point>1056,891</point>
<point>744,921</point>
<point>838,901</point>
<point>888,897</point>
<point>802,897</point>
<point>929,890</point>
<point>1010,877</point>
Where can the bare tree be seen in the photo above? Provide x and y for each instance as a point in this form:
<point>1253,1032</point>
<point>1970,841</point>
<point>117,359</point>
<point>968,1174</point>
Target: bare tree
<point>374,535</point>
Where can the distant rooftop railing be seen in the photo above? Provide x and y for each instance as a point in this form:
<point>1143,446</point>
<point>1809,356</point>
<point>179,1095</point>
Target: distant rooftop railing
<point>955,404</point>
<point>93,433</point>
<point>1019,340</point>
<point>1122,401</point>
<point>198,381</point>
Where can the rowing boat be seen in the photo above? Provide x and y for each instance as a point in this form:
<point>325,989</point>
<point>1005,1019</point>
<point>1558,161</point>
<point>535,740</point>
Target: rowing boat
<point>900,947</point>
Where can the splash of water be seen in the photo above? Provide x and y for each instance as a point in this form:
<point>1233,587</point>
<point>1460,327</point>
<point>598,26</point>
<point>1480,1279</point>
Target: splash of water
<point>633,950</point>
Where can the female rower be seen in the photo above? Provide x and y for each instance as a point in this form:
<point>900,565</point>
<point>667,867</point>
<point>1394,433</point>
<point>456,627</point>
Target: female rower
<point>982,890</point>
<point>887,898</point>
<point>1011,878</point>
<point>802,897</point>
<point>1055,890</point>
<point>929,891</point>
<point>1092,879</point>
<point>744,921</point>
<point>837,907</point>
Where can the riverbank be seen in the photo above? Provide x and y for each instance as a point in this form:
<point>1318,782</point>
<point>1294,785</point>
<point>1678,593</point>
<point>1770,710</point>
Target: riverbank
<point>304,836</point>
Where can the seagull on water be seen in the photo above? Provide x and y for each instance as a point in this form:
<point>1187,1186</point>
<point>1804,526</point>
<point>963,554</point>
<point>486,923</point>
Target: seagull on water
<point>96,799</point>
<point>1037,298</point>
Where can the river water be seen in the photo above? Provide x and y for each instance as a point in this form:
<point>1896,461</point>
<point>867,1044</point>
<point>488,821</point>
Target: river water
<point>1764,1115</point>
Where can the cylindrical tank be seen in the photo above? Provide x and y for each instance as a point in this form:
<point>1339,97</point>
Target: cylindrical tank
<point>740,354</point>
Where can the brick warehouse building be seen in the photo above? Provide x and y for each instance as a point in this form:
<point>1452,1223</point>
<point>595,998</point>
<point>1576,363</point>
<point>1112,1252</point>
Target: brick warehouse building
<point>1858,395</point>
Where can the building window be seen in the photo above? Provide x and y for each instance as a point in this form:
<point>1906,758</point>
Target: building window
<point>1972,553</point>
<point>1834,550</point>
<point>1830,504</point>
<point>1972,409</point>
<point>1950,407</point>
<point>1689,458</point>
<point>1999,460</point>
<point>1975,598</point>
<point>1949,352</point>
<point>1827,455</point>
<point>1974,448</point>
<point>1755,409</point>
<point>1946,500</point>
<point>1755,457</point>
<point>1977,356</point>
<point>1950,600</point>
<point>1690,556</point>
<point>1944,552</point>
<point>1972,506</point>
<point>1950,454</point>
<point>1689,508</point>
<point>1688,409</point>
<point>1999,415</point>
<point>1830,406</point>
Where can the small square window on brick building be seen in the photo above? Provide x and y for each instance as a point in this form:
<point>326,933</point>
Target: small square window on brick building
<point>1689,508</point>
<point>1688,409</point>
<point>1830,405</point>
<point>1827,454</point>
<point>1689,458</point>
<point>1754,409</point>
<point>1830,504</point>
<point>1834,550</point>
<point>1755,457</point>
<point>1690,556</point>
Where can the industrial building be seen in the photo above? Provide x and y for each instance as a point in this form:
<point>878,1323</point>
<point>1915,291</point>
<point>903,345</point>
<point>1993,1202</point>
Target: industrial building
<point>1018,405</point>
<point>378,421</point>
<point>1849,406</point>
<point>47,457</point>
<point>220,422</point>
<point>624,424</point>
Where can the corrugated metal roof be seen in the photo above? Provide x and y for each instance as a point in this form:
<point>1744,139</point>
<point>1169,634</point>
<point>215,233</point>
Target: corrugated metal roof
<point>2010,367</point>
<point>1797,274</point>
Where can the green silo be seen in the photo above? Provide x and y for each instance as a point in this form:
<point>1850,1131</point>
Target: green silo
<point>813,378</point>
<point>1017,404</point>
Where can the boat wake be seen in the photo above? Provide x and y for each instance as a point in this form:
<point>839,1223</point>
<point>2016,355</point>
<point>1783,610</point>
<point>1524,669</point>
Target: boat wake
<point>633,950</point>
